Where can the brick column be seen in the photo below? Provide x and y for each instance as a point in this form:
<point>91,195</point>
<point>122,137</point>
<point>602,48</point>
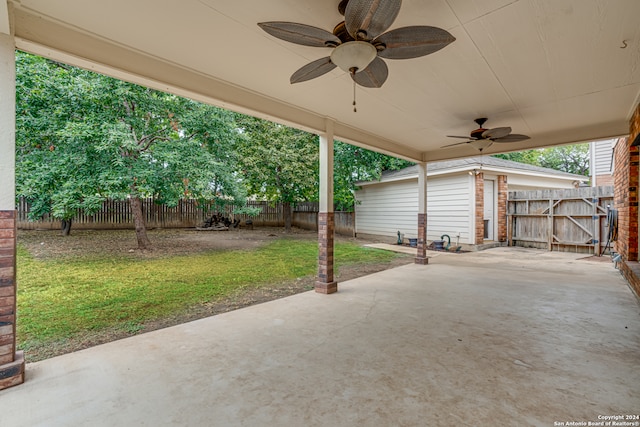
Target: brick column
<point>479,208</point>
<point>326,227</point>
<point>421,257</point>
<point>503,193</point>
<point>421,254</point>
<point>11,361</point>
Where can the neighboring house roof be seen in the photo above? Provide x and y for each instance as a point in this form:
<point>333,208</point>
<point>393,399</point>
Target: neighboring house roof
<point>487,163</point>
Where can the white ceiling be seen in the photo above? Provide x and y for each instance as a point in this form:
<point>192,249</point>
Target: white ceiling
<point>559,71</point>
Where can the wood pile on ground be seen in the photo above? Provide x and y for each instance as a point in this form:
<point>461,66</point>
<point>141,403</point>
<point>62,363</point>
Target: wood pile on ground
<point>218,222</point>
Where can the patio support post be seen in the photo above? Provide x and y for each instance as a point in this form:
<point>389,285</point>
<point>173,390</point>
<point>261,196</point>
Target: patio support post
<point>479,214</point>
<point>503,196</point>
<point>326,221</point>
<point>11,361</point>
<point>421,256</point>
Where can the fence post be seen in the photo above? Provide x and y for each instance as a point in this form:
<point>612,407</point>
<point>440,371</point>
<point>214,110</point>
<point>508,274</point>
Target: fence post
<point>550,222</point>
<point>596,225</point>
<point>509,223</point>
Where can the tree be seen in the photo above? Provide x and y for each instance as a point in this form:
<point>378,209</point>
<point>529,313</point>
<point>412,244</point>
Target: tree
<point>353,164</point>
<point>527,156</point>
<point>278,163</point>
<point>568,158</point>
<point>56,181</point>
<point>572,158</point>
<point>82,137</point>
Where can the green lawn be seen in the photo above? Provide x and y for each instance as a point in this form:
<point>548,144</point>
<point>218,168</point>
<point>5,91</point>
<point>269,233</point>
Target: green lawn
<point>60,298</point>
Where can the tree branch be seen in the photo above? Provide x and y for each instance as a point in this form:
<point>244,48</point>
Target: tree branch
<point>152,140</point>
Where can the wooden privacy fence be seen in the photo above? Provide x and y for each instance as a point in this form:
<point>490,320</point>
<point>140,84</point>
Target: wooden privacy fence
<point>305,216</point>
<point>115,214</point>
<point>187,214</point>
<point>572,220</point>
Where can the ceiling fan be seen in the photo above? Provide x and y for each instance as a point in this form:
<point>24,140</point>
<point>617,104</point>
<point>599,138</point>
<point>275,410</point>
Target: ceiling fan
<point>481,138</point>
<point>359,42</point>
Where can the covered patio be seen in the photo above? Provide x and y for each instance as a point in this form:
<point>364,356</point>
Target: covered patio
<point>507,336</point>
<point>558,71</point>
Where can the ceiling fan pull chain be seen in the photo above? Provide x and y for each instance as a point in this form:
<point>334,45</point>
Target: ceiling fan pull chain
<point>355,110</point>
<point>353,73</point>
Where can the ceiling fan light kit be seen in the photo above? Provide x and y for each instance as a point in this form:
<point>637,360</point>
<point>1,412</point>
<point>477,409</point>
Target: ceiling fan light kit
<point>481,144</point>
<point>353,57</point>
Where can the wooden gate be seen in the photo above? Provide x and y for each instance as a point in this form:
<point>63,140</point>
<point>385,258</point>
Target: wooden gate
<point>571,220</point>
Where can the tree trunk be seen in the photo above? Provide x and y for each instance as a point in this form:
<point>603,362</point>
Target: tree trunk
<point>66,227</point>
<point>286,208</point>
<point>138,220</point>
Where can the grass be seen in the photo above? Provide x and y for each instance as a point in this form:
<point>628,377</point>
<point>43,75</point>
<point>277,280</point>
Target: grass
<point>58,299</point>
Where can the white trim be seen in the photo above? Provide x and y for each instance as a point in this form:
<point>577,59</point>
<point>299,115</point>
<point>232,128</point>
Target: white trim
<point>494,208</point>
<point>7,123</point>
<point>326,168</point>
<point>5,26</point>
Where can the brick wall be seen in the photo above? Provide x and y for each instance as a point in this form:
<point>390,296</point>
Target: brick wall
<point>503,194</point>
<point>602,180</point>
<point>626,180</point>
<point>11,362</point>
<point>479,208</point>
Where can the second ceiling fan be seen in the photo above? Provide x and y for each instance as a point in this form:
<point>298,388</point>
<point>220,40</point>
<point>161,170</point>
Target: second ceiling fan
<point>481,138</point>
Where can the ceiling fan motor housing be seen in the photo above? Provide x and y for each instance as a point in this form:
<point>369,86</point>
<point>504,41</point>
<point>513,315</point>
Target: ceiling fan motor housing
<point>477,134</point>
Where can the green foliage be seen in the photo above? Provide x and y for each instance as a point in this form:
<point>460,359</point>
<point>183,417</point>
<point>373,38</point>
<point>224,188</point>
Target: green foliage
<point>93,294</point>
<point>247,210</point>
<point>82,137</point>
<point>281,164</point>
<point>566,158</point>
<point>277,163</point>
<point>353,164</point>
<point>529,157</point>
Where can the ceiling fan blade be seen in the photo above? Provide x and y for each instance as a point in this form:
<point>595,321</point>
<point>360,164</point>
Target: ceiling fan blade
<point>305,35</point>
<point>367,19</point>
<point>496,133</point>
<point>312,70</point>
<point>413,42</point>
<point>374,75</point>
<point>456,136</point>
<point>455,143</point>
<point>514,137</point>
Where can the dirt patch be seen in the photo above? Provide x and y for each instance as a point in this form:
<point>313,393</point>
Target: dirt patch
<point>50,244</point>
<point>171,242</point>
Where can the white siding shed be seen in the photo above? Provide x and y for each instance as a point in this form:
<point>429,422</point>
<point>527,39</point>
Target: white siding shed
<point>389,206</point>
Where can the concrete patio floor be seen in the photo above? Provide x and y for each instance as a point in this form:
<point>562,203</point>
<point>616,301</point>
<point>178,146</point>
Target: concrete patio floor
<point>506,336</point>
